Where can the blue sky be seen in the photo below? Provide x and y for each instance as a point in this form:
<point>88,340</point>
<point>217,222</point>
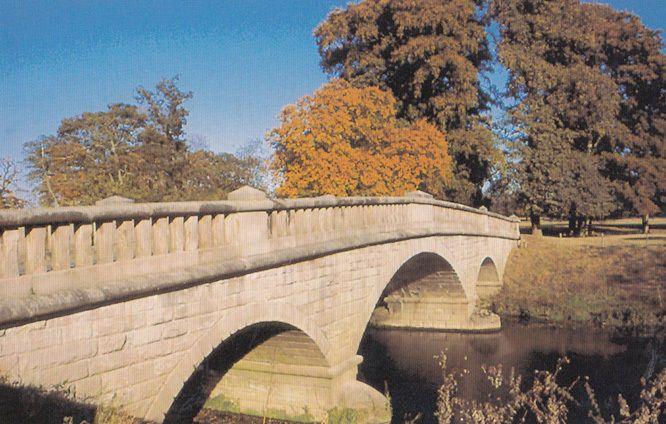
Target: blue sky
<point>243,59</point>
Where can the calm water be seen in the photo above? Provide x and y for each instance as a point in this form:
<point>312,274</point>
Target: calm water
<point>404,363</point>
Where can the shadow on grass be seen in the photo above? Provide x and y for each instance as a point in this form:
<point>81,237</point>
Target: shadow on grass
<point>33,405</point>
<point>649,237</point>
<point>20,404</point>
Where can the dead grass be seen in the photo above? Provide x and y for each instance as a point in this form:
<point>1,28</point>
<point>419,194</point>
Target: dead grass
<point>610,280</point>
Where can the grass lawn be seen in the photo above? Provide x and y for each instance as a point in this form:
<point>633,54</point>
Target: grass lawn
<point>618,279</point>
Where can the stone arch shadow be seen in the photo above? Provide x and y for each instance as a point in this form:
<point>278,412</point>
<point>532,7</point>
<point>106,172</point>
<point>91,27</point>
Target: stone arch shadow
<point>230,339</point>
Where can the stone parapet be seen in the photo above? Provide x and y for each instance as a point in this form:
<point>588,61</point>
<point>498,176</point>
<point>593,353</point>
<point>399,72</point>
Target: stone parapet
<point>54,260</point>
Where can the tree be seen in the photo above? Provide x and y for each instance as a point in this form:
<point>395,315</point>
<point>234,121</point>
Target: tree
<point>429,54</point>
<point>163,140</point>
<point>566,108</point>
<point>9,172</point>
<point>139,152</point>
<point>344,140</point>
<point>210,176</point>
<point>94,155</point>
<point>632,56</point>
<point>589,89</point>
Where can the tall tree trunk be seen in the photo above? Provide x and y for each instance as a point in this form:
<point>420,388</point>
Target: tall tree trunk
<point>580,222</point>
<point>646,223</point>
<point>572,222</point>
<point>535,219</point>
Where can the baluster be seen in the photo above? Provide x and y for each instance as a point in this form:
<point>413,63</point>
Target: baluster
<point>9,263</point>
<point>307,221</point>
<point>205,232</point>
<point>83,247</point>
<point>298,224</point>
<point>339,219</point>
<point>61,240</point>
<point>125,242</point>
<point>191,233</point>
<point>144,238</point>
<point>218,230</point>
<point>283,223</point>
<point>161,236</point>
<point>104,242</point>
<point>289,222</point>
<point>177,234</point>
<point>274,229</point>
<point>231,228</point>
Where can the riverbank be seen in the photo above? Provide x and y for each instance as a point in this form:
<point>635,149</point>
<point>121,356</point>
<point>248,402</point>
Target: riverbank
<point>616,282</point>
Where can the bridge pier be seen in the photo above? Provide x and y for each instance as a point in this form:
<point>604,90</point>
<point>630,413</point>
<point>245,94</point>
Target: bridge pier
<point>286,377</point>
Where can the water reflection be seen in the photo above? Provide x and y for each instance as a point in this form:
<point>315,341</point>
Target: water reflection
<point>404,363</point>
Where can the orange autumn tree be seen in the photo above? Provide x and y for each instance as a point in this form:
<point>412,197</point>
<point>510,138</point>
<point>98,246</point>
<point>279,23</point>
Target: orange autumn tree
<point>345,141</point>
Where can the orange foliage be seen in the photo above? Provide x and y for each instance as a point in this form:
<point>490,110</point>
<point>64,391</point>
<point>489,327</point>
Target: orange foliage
<point>345,141</point>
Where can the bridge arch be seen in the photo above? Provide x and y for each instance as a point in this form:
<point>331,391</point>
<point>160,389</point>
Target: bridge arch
<point>424,289</point>
<point>488,280</point>
<point>229,340</point>
<point>423,270</point>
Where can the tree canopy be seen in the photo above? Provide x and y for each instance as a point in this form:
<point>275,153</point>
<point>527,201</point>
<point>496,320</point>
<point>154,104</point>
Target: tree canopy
<point>406,109</point>
<point>429,54</point>
<point>136,151</point>
<point>344,140</point>
<point>588,85</point>
<point>9,172</point>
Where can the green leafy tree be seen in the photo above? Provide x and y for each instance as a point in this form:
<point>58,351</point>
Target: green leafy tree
<point>163,140</point>
<point>136,151</point>
<point>429,54</point>
<point>9,172</point>
<point>576,106</point>
<point>633,57</point>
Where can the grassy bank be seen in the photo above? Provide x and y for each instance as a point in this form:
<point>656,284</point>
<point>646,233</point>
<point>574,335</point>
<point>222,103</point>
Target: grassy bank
<point>617,281</point>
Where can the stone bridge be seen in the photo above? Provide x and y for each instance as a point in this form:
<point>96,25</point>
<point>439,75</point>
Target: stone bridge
<point>258,305</point>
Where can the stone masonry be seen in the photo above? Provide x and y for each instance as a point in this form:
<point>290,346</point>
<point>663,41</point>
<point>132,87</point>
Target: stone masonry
<point>122,302</point>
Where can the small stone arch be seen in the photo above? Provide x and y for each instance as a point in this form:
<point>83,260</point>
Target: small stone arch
<point>233,337</point>
<point>426,271</point>
<point>425,292</point>
<point>488,281</point>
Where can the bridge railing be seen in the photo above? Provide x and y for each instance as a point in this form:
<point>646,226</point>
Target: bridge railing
<point>49,249</point>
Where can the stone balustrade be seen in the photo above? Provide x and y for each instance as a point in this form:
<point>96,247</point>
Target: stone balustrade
<point>126,302</point>
<point>48,251</point>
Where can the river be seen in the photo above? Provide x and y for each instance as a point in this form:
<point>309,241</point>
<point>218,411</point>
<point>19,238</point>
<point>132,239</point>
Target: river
<point>405,364</point>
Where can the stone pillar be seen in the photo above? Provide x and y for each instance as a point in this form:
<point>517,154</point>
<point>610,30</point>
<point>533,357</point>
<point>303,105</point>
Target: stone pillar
<point>217,230</point>
<point>205,229</point>
<point>191,233</point>
<point>83,248</point>
<point>60,247</point>
<point>160,236</point>
<point>35,258</point>
<point>177,234</point>
<point>125,241</point>
<point>144,238</point>
<point>9,253</point>
<point>104,240</point>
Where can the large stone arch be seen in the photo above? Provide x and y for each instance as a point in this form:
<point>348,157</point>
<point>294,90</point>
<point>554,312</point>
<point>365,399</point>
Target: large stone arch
<point>425,271</point>
<point>222,330</point>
